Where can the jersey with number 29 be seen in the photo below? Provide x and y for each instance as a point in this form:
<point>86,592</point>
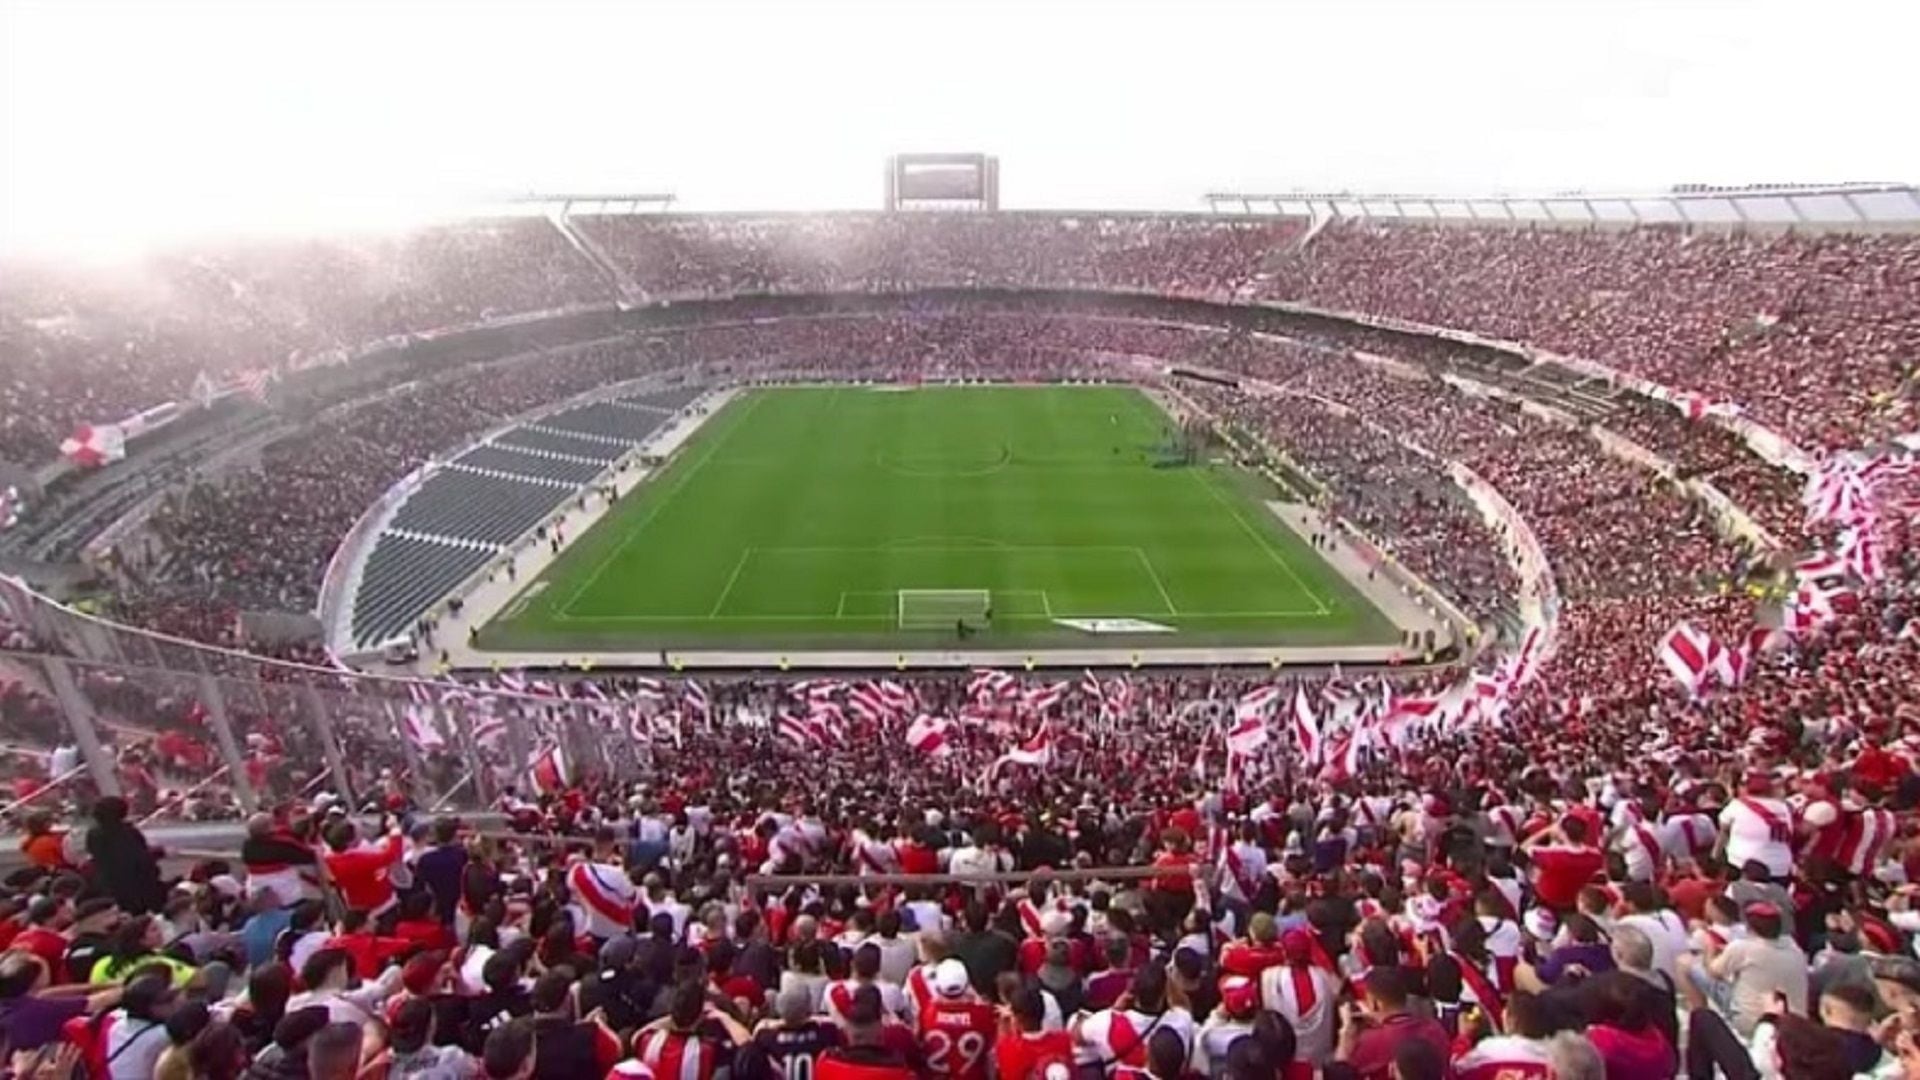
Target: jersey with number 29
<point>956,1038</point>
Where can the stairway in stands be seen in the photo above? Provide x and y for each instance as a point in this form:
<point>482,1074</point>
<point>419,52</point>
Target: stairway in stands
<point>624,286</point>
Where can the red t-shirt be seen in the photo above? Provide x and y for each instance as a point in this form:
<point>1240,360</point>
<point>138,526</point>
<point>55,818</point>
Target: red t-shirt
<point>1248,959</point>
<point>363,874</point>
<point>1025,1055</point>
<point>956,1038</point>
<point>1560,873</point>
<point>1179,880</point>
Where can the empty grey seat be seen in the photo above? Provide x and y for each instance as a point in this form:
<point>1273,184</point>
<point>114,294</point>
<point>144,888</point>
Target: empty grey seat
<point>506,459</point>
<point>559,443</point>
<point>469,506</point>
<point>403,578</point>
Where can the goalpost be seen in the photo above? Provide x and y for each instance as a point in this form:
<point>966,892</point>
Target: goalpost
<point>943,609</point>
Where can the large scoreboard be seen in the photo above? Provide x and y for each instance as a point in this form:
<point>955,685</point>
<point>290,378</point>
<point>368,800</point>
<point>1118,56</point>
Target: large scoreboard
<point>943,182</point>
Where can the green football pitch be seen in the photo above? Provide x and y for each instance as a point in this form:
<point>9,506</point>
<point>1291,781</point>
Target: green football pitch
<point>795,518</point>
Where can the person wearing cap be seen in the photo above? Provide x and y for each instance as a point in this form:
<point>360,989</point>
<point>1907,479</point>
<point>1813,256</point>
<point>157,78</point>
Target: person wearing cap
<point>788,1043</point>
<point>1742,977</point>
<point>956,1029</point>
<point>1258,951</point>
<point>1231,1019</point>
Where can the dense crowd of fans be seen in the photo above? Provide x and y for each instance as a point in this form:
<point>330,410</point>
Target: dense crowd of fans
<point>1813,334</point>
<point>1602,877</point>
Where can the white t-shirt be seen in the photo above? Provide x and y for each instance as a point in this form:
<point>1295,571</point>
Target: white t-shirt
<point>1668,933</point>
<point>1752,837</point>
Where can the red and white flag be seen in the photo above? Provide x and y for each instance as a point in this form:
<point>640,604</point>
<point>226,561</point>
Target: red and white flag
<point>253,382</point>
<point>1248,734</point>
<point>1689,654</point>
<point>829,721</point>
<point>988,684</point>
<point>1039,699</point>
<point>93,445</point>
<point>1306,728</point>
<point>421,731</point>
<point>801,731</point>
<point>694,697</point>
<point>1036,751</point>
<point>1860,552</point>
<point>552,772</point>
<point>1257,702</point>
<point>867,702</point>
<point>898,697</point>
<point>928,735</point>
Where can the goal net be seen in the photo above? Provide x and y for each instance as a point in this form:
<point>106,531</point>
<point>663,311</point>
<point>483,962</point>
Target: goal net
<point>942,609</point>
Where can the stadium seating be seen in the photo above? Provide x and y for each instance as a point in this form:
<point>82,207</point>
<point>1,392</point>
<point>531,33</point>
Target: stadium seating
<point>404,577</point>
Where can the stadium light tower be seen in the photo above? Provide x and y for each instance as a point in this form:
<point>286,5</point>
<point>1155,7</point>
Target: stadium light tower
<point>943,182</point>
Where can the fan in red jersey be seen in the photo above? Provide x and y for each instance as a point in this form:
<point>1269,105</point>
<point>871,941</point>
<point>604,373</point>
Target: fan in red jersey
<point>956,1029</point>
<point>1026,1051</point>
<point>867,1055</point>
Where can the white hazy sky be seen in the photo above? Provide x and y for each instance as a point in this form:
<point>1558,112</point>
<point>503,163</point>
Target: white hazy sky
<point>138,119</point>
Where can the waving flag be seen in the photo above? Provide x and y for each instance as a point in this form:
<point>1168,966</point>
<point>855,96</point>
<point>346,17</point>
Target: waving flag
<point>694,697</point>
<point>1041,698</point>
<point>1037,751</point>
<point>866,702</point>
<point>1257,702</point>
<point>799,730</point>
<point>898,697</point>
<point>829,721</point>
<point>552,772</point>
<point>1690,654</point>
<point>1306,728</point>
<point>1248,734</point>
<point>928,735</point>
<point>1860,551</point>
<point>420,729</point>
<point>988,684</point>
<point>93,445</point>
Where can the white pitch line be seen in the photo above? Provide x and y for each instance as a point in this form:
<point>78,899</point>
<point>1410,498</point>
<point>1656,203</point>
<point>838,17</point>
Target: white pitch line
<point>634,531</point>
<point>745,553</point>
<point>1157,583</point>
<point>1290,613</point>
<point>1319,604</point>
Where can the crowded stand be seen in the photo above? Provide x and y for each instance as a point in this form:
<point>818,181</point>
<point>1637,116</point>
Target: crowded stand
<point>95,345</point>
<point>1557,860</point>
<point>1813,334</point>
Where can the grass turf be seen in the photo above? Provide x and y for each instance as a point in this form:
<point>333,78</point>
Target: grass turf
<point>793,517</point>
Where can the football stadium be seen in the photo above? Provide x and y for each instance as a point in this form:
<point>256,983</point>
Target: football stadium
<point>795,559</point>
